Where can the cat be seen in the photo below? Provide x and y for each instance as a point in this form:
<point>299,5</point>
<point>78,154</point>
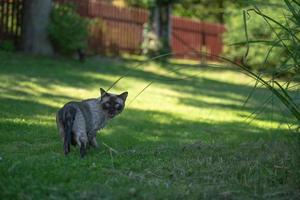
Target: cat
<point>78,122</point>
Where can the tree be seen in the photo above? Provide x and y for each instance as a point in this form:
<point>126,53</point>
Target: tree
<point>159,22</point>
<point>34,36</point>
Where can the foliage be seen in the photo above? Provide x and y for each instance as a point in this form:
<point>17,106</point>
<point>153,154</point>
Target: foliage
<point>140,3</point>
<point>205,10</point>
<point>214,11</point>
<point>236,35</point>
<point>67,30</point>
<point>7,45</point>
<point>267,52</point>
<point>156,36</point>
<point>97,28</point>
<point>286,39</point>
<point>151,44</point>
<point>183,138</point>
<point>147,4</point>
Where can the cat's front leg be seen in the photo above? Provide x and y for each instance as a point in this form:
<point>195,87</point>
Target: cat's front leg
<point>92,139</point>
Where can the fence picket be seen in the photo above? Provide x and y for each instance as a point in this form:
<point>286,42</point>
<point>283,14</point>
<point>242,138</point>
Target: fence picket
<point>10,20</point>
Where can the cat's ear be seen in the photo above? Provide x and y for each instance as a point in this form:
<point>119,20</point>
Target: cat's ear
<point>102,92</point>
<point>123,96</point>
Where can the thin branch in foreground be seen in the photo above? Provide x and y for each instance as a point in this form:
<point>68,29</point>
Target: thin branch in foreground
<point>110,148</point>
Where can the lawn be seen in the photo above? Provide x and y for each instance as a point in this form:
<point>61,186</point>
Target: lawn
<point>188,136</point>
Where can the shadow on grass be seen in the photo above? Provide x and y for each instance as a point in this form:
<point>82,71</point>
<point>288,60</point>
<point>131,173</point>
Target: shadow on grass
<point>17,108</point>
<point>155,128</point>
<point>134,127</point>
<point>47,72</point>
<point>70,73</point>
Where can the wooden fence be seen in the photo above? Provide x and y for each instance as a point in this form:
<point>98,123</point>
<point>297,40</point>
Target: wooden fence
<point>190,37</point>
<point>115,30</point>
<point>10,20</point>
<point>119,30</point>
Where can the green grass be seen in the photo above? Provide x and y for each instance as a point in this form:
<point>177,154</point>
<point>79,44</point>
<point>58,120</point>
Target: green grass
<point>185,137</point>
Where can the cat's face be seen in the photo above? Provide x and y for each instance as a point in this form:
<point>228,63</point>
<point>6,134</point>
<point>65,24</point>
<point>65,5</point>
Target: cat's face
<point>112,104</point>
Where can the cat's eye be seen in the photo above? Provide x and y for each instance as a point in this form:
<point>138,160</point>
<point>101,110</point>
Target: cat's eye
<point>118,106</point>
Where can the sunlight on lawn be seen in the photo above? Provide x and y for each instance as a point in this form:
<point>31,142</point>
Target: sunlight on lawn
<point>173,96</point>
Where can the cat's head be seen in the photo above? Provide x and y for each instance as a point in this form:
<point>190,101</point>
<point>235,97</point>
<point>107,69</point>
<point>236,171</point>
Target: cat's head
<point>112,104</point>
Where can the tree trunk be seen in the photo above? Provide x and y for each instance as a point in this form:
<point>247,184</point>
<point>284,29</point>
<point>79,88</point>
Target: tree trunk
<point>162,25</point>
<point>34,38</point>
<point>220,15</point>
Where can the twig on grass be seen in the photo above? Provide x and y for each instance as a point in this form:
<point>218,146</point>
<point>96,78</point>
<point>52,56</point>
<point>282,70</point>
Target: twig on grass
<point>110,148</point>
<point>110,153</point>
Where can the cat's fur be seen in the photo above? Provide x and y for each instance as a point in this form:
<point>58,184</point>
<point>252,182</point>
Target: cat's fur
<point>78,122</point>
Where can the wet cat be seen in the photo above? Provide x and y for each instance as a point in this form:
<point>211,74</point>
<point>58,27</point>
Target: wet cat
<point>78,122</point>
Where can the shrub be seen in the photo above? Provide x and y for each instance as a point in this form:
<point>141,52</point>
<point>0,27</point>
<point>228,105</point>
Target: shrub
<point>7,45</point>
<point>97,29</point>
<point>284,27</point>
<point>259,35</point>
<point>151,44</point>
<point>67,30</point>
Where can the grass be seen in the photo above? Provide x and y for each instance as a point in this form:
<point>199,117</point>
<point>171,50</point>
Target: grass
<point>188,136</point>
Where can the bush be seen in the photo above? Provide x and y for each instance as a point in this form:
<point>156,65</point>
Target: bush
<point>151,44</point>
<point>259,36</point>
<point>67,30</point>
<point>97,30</point>
<point>7,45</point>
<point>283,42</point>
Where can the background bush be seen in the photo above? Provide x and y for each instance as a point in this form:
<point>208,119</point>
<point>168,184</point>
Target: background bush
<point>67,30</point>
<point>260,35</point>
<point>7,45</point>
<point>281,41</point>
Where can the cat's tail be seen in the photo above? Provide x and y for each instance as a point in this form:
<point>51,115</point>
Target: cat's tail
<point>68,117</point>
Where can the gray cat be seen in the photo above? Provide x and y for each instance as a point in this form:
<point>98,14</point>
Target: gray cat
<point>78,122</point>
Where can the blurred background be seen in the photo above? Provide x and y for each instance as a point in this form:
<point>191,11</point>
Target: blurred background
<point>114,27</point>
